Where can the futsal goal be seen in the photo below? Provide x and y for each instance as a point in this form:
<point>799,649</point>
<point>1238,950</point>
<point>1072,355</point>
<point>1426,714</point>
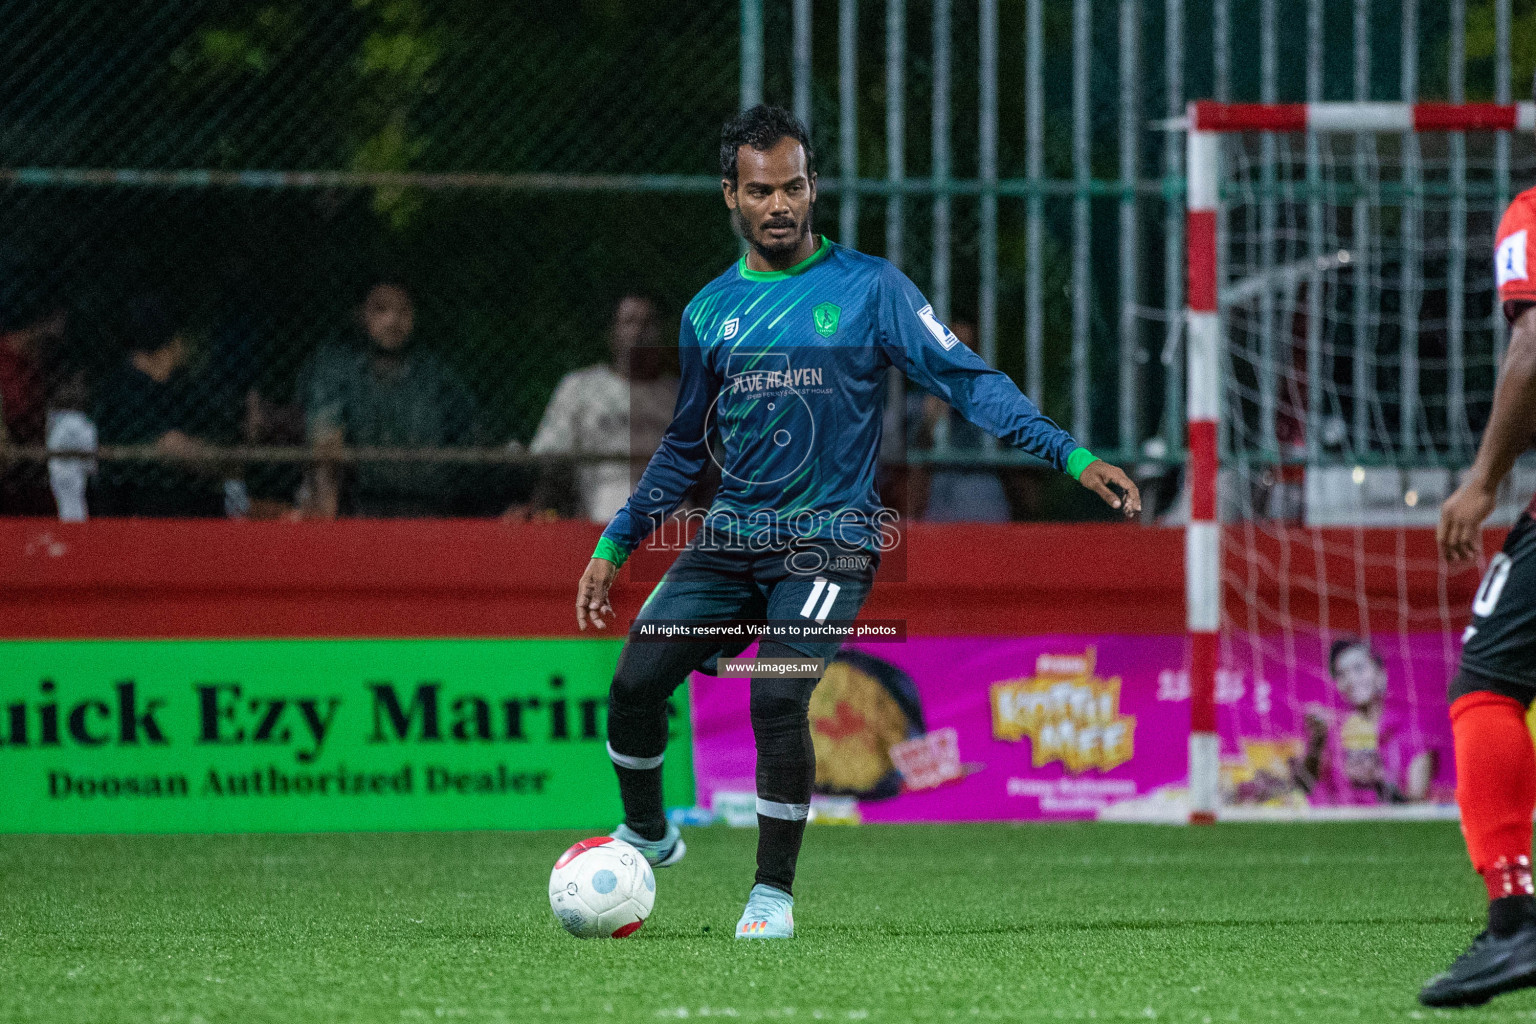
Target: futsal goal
<point>1342,339</point>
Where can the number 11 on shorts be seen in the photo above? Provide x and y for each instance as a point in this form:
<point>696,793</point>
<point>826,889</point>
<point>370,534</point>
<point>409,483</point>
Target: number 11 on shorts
<point>820,585</point>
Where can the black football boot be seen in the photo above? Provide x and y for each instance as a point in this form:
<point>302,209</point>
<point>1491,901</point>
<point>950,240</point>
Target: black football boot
<point>1492,965</point>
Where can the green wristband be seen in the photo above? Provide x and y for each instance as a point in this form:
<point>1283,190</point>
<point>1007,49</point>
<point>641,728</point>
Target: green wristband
<point>611,551</point>
<point>1079,460</point>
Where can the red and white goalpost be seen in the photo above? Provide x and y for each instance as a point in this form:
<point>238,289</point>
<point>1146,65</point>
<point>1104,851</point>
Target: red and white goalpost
<point>1342,330</point>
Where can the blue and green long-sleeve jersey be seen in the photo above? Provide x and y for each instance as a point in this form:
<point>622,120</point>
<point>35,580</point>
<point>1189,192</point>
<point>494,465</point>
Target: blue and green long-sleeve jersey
<point>788,369</point>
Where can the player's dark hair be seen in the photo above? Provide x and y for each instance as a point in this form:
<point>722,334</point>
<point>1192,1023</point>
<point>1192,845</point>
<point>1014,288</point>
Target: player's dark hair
<point>761,127</point>
<point>1344,643</point>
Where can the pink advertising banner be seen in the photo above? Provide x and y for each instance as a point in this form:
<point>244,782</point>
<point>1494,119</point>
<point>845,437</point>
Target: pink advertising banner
<point>1064,727</point>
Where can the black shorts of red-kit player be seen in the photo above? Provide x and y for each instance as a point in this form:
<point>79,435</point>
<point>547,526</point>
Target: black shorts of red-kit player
<point>1498,651</point>
<point>1499,657</point>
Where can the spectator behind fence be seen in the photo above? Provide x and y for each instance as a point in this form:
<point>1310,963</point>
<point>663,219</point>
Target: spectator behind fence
<point>391,393</point>
<point>29,326</point>
<point>619,408</point>
<point>957,495</point>
<point>152,398</point>
<point>273,488</point>
<point>257,389</point>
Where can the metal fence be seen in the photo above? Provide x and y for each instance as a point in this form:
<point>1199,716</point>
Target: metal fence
<point>244,170</point>
<point>1076,164</point>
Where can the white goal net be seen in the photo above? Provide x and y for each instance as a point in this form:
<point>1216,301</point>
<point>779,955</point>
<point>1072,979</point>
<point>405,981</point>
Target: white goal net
<point>1358,335</point>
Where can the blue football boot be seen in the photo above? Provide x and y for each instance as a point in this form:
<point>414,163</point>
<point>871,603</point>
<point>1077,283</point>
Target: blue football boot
<point>770,914</point>
<point>661,853</point>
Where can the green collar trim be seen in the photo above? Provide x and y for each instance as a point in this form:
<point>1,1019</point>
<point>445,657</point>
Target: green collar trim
<point>810,261</point>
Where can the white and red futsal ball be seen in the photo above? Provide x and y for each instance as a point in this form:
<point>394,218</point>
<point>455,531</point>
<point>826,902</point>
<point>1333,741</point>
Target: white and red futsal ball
<point>602,888</point>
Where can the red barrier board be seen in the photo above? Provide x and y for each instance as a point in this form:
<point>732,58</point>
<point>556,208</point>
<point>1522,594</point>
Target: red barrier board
<point>431,578</point>
<point>425,578</point>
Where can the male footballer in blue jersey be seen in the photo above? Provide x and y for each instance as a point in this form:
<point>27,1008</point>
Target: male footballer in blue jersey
<point>784,359</point>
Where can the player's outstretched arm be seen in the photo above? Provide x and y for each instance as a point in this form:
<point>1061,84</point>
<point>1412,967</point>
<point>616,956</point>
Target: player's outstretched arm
<point>1111,483</point>
<point>929,353</point>
<point>1507,435</point>
<point>592,594</point>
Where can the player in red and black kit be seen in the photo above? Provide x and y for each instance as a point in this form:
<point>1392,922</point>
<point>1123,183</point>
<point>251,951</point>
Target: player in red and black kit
<point>1496,681</point>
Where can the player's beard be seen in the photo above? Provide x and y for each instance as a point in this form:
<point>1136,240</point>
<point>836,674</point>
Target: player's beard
<point>769,250</point>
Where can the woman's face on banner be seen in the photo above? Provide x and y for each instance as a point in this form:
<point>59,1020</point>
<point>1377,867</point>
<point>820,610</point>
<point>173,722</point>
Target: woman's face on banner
<point>1359,679</point>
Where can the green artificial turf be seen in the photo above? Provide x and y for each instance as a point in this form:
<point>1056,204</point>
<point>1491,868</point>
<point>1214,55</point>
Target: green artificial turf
<point>985,922</point>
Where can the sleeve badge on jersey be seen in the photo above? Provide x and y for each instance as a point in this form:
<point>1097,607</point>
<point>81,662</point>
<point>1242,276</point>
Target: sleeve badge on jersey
<point>1509,261</point>
<point>946,338</point>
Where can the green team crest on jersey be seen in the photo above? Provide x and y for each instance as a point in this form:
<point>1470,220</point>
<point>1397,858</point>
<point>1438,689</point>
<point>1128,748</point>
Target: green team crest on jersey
<point>826,317</point>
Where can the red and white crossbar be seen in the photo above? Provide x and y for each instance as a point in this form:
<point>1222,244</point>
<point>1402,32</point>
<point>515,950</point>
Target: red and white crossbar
<point>1206,123</point>
<point>1207,116</point>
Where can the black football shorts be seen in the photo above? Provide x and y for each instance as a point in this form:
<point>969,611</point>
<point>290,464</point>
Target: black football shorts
<point>1498,651</point>
<point>721,580</point>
